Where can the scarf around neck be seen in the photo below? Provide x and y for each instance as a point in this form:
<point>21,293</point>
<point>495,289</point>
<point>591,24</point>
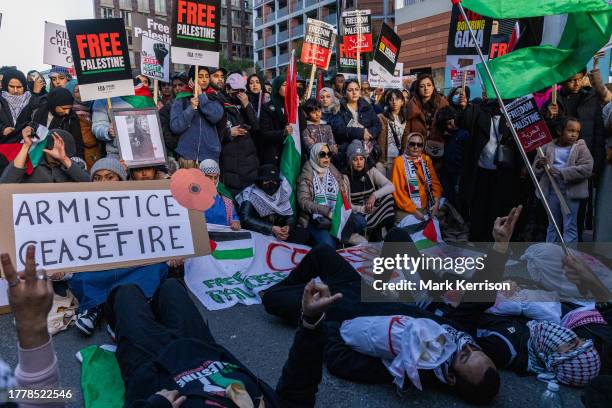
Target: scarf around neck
<point>325,190</point>
<point>265,204</point>
<point>412,179</point>
<point>16,103</point>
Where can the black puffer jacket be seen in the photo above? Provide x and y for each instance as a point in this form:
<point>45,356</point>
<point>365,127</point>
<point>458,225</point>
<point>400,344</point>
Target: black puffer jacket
<point>239,161</point>
<point>69,123</point>
<point>251,220</point>
<point>271,134</point>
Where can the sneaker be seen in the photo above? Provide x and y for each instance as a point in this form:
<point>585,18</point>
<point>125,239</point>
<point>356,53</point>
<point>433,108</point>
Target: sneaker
<point>87,321</point>
<point>357,239</point>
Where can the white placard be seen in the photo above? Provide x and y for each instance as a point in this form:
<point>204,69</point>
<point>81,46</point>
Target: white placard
<point>57,46</point>
<point>380,77</point>
<point>103,90</point>
<point>190,56</point>
<point>89,228</point>
<point>155,59</point>
<point>3,293</point>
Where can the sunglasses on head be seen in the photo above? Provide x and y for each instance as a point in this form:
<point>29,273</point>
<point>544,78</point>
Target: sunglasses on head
<point>325,154</point>
<point>415,144</point>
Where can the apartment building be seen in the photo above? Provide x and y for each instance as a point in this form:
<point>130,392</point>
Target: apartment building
<point>236,23</point>
<point>279,25</point>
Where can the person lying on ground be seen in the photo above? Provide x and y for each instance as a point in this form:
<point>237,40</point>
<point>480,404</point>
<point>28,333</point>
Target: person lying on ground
<point>166,344</point>
<point>30,296</point>
<point>56,164</point>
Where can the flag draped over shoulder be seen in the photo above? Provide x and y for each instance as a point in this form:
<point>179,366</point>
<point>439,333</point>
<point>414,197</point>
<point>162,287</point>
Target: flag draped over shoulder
<point>532,8</point>
<point>292,150</point>
<point>572,32</point>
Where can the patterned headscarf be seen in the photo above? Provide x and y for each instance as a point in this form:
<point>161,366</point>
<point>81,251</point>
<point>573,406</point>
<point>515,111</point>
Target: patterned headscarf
<point>576,367</point>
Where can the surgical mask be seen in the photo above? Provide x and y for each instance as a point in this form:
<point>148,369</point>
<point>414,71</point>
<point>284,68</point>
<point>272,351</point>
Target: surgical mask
<point>455,99</point>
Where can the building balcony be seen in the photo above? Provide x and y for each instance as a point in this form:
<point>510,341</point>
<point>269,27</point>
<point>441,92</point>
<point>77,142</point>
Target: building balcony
<point>258,21</point>
<point>258,3</point>
<point>270,62</point>
<point>282,12</point>
<point>311,2</point>
<point>283,59</point>
<point>282,36</point>
<point>298,31</point>
<point>259,44</point>
<point>271,40</point>
<point>331,19</point>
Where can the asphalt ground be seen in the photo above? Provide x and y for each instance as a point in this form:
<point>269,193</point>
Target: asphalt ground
<point>262,343</point>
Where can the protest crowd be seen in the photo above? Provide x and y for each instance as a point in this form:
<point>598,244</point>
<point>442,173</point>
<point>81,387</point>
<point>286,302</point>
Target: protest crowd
<point>375,165</point>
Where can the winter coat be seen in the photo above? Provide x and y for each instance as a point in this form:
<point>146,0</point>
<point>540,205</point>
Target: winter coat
<point>575,174</point>
<point>239,161</point>
<point>199,139</point>
<point>306,193</point>
<point>23,120</point>
<point>252,221</point>
<point>401,195</point>
<point>45,173</point>
<point>170,138</point>
<point>272,123</point>
<point>384,138</point>
<point>382,187</point>
<point>592,128</point>
<point>417,121</point>
<point>367,117</point>
<point>69,123</point>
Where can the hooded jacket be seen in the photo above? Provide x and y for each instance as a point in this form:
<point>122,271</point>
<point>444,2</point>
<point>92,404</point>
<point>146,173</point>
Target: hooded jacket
<point>367,118</point>
<point>197,129</point>
<point>272,122</point>
<point>25,116</point>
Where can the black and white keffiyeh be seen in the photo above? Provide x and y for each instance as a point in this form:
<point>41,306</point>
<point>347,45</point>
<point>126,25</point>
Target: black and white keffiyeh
<point>16,103</point>
<point>278,203</point>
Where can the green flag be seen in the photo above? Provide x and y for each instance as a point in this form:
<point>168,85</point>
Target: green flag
<point>569,46</point>
<point>101,381</point>
<point>533,8</point>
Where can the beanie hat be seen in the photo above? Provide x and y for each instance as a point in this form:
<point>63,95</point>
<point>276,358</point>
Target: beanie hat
<point>11,73</point>
<point>110,164</point>
<point>59,97</point>
<point>56,70</point>
<point>209,166</point>
<point>355,149</point>
<point>69,145</point>
<point>268,172</point>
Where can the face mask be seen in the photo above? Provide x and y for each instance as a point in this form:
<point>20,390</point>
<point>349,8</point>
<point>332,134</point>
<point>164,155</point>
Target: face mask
<point>456,99</point>
<point>270,188</point>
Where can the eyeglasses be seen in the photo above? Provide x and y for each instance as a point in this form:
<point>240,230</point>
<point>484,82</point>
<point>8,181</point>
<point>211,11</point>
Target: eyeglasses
<point>325,154</point>
<point>415,144</point>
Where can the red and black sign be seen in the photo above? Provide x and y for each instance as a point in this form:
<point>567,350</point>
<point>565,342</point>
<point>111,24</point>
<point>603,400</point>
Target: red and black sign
<point>387,48</point>
<point>529,124</point>
<point>347,61</point>
<point>99,50</point>
<point>357,31</point>
<point>197,24</point>
<point>499,45</point>
<point>318,43</point>
<point>459,39</point>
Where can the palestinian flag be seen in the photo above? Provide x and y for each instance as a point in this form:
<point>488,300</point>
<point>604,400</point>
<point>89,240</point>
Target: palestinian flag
<point>550,49</point>
<point>10,148</point>
<point>340,216</point>
<point>231,245</point>
<point>291,160</point>
<point>223,191</point>
<point>428,237</point>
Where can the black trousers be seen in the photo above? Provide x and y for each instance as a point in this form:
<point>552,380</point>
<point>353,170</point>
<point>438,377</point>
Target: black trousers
<point>144,328</point>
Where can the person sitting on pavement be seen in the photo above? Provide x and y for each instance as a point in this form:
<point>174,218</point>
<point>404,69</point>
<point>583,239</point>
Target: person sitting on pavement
<point>223,211</point>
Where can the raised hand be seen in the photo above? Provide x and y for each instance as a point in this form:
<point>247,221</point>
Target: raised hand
<point>503,228</point>
<point>317,299</point>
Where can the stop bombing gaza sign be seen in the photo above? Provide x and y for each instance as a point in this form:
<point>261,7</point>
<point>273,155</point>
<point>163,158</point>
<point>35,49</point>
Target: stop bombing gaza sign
<point>196,28</point>
<point>101,57</point>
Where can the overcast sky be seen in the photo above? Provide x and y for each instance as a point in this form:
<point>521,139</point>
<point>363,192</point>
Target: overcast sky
<point>22,29</point>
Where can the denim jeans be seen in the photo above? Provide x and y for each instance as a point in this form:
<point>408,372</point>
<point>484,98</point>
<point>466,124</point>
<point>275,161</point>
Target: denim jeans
<point>567,223</point>
<point>356,224</point>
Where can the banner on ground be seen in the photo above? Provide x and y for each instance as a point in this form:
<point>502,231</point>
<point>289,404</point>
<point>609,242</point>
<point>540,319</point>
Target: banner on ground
<point>529,123</point>
<point>79,227</point>
<point>155,59</point>
<point>151,27</point>
<point>101,57</point>
<point>461,55</point>
<point>245,263</point>
<point>378,77</point>
<point>387,48</point>
<point>196,28</point>
<point>357,31</point>
<point>347,61</point>
<point>57,46</point>
<point>318,43</point>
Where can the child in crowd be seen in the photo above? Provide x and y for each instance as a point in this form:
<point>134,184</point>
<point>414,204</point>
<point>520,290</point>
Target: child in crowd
<point>571,165</point>
<point>222,212</point>
<point>317,130</point>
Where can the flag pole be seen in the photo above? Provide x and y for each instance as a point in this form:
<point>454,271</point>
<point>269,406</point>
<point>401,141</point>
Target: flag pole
<point>155,90</point>
<point>512,129</point>
<point>311,81</point>
<point>359,52</point>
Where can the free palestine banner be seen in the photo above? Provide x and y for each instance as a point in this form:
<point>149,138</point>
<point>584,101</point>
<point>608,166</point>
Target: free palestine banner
<point>196,31</point>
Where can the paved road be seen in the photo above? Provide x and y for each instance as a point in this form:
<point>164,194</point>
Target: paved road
<point>261,342</point>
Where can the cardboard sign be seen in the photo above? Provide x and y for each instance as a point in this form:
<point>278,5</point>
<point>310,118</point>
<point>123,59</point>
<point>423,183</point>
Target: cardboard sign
<point>79,227</point>
<point>379,77</point>
<point>357,31</point>
<point>101,57</point>
<point>347,61</point>
<point>151,27</point>
<point>57,46</point>
<point>459,65</point>
<point>318,43</point>
<point>155,59</point>
<point>458,74</point>
<point>387,48</point>
<point>528,122</point>
<point>196,30</point>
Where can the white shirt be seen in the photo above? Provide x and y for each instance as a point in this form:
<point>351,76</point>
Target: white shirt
<point>487,156</point>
